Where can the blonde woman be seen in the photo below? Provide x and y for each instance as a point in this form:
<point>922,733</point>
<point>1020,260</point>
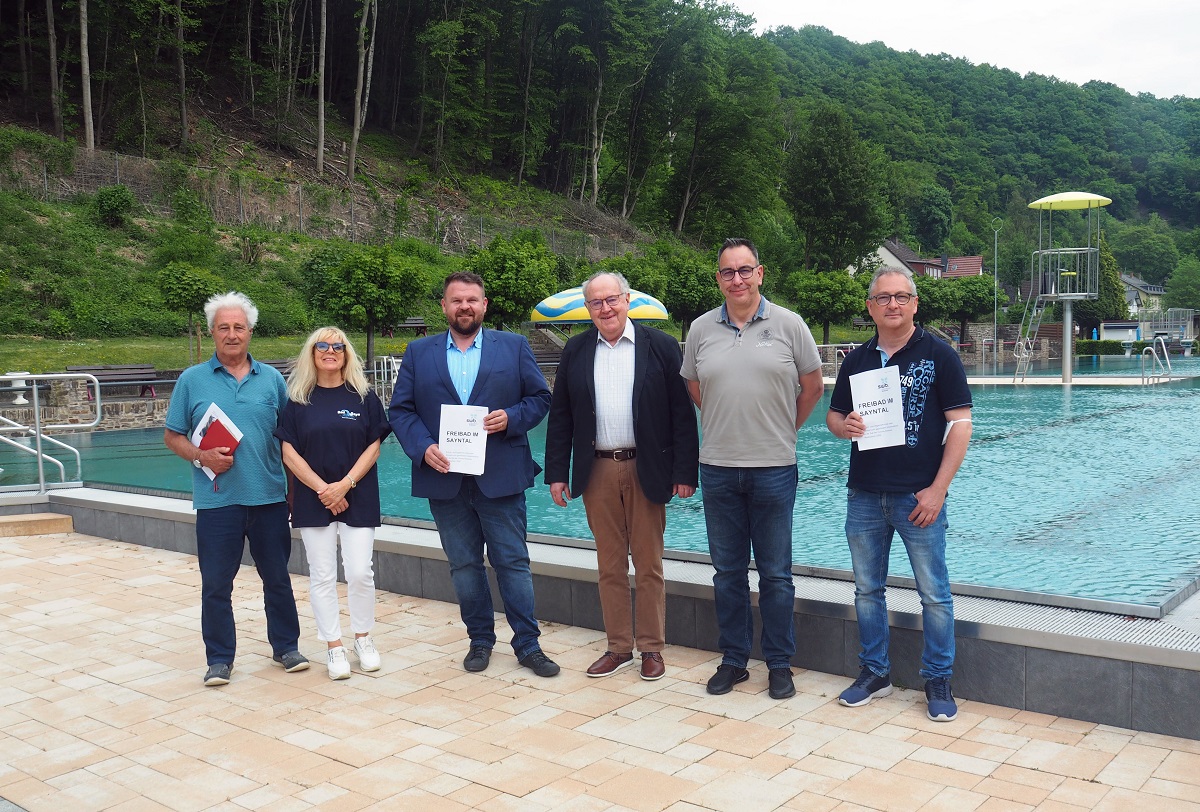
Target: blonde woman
<point>331,430</point>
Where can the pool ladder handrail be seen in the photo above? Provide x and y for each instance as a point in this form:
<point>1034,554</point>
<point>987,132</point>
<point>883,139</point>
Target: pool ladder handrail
<point>1160,367</point>
<point>1023,348</point>
<point>37,431</point>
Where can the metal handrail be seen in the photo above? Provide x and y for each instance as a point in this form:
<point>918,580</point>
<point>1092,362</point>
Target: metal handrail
<point>1158,369</point>
<point>29,382</point>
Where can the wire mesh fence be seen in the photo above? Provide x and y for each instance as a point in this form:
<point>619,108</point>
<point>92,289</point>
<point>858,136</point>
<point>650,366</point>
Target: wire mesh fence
<point>239,198</point>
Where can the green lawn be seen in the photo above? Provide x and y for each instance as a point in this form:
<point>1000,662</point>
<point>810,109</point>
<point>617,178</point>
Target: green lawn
<point>36,354</point>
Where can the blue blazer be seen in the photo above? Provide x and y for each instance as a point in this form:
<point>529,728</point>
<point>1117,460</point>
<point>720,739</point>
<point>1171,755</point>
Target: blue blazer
<point>508,379</point>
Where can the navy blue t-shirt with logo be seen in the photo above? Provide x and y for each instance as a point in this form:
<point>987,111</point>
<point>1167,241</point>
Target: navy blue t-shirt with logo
<point>331,433</point>
<point>932,381</point>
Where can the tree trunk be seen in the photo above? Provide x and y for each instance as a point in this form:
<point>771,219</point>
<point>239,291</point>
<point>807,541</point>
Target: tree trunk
<point>358,91</point>
<point>85,78</point>
<point>55,94</point>
<point>321,93</point>
<point>141,100</point>
<point>23,46</point>
<point>179,66</point>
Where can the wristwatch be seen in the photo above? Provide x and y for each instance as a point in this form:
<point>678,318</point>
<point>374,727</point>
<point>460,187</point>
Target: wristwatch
<point>196,462</point>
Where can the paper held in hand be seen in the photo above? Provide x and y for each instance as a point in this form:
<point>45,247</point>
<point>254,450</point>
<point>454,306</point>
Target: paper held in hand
<point>878,400</point>
<point>216,430</point>
<point>463,439</point>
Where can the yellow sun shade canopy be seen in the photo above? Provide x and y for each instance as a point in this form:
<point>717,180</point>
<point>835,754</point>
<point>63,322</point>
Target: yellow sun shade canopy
<point>1071,200</point>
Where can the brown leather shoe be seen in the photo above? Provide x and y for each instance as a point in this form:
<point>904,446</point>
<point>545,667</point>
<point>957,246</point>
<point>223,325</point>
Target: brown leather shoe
<point>653,666</point>
<point>610,663</point>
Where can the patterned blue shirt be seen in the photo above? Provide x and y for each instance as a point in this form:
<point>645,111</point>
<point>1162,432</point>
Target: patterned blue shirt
<point>254,404</point>
<point>464,366</point>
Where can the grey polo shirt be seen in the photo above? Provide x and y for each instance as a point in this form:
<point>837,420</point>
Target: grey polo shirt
<point>749,380</point>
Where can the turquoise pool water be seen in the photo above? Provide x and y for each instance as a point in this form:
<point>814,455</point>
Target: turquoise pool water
<point>1086,491</point>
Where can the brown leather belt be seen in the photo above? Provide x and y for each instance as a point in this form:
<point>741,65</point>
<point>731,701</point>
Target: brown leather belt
<point>619,455</point>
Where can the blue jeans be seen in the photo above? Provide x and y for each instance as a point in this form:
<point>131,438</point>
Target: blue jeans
<point>469,525</point>
<point>221,535</point>
<point>751,509</point>
<point>871,521</point>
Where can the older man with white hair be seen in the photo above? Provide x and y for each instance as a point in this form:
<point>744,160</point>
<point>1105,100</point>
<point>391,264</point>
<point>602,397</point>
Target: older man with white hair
<point>245,496</point>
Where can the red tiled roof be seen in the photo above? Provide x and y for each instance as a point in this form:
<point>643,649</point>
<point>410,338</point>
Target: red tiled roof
<point>965,266</point>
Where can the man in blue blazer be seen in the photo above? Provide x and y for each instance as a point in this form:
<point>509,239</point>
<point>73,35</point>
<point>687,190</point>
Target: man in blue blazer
<point>622,411</point>
<point>477,514</point>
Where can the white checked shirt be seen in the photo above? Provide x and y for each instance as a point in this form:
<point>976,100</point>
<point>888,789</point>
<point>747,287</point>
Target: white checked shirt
<point>614,392</point>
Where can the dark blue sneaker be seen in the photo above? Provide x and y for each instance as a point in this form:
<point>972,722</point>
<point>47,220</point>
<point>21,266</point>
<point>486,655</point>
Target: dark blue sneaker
<point>941,700</point>
<point>868,686</point>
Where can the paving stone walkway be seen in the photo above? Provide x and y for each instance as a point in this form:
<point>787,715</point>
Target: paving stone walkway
<point>102,708</point>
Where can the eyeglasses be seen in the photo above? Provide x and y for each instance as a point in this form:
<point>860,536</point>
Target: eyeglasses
<point>325,346</point>
<point>744,273</point>
<point>611,301</point>
<point>884,299</point>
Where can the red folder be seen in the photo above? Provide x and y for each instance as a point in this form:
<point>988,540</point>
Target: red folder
<point>217,436</point>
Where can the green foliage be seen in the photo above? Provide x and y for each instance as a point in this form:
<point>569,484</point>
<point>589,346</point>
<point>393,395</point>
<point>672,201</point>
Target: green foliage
<point>189,210</point>
<point>1111,302</point>
<point>185,288</point>
<point>1146,251</point>
<point>834,185</point>
<point>517,274</point>
<point>937,299</point>
<point>826,298</point>
<point>1183,288</point>
<point>1108,346</point>
<point>974,296</point>
<point>252,241</point>
<point>930,216</point>
<point>58,156</point>
<point>114,204</point>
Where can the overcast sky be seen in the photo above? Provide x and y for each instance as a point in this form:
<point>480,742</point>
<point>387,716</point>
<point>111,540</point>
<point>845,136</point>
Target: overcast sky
<point>1149,46</point>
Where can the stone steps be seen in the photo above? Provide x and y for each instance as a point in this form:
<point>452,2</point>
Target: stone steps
<point>35,524</point>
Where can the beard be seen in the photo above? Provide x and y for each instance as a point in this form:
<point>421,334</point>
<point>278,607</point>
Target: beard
<point>466,324</point>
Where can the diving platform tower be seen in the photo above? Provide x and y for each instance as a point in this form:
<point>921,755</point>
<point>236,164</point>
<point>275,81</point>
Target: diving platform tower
<point>1059,274</point>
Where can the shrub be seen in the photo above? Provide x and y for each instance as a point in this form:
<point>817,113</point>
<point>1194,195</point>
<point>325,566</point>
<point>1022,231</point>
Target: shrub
<point>113,204</point>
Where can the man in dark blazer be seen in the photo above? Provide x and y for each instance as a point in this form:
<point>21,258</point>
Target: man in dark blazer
<point>486,513</point>
<point>621,408</point>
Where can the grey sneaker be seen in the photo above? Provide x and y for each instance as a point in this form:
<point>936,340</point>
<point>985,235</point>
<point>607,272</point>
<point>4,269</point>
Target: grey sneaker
<point>539,663</point>
<point>218,674</point>
<point>291,661</point>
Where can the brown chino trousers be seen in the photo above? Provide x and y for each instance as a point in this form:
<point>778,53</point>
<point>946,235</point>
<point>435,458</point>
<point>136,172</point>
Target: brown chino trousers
<point>624,523</point>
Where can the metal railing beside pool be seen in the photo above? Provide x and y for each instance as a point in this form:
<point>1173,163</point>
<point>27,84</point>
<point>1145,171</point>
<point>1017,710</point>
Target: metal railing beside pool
<point>22,383</point>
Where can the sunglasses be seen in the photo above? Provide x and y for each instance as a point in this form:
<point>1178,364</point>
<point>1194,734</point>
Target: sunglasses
<point>325,346</point>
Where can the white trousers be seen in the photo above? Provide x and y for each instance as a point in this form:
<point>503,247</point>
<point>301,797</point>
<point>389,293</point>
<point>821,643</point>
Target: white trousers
<point>358,544</point>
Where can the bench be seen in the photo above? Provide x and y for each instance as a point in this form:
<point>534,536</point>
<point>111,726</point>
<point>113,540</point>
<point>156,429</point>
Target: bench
<point>143,375</point>
<point>859,323</point>
<point>415,323</point>
<point>284,365</point>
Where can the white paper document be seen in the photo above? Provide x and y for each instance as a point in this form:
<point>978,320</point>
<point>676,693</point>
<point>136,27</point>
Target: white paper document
<point>226,434</point>
<point>463,439</point>
<point>878,400</point>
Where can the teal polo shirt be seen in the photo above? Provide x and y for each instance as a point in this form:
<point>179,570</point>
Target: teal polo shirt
<point>254,404</point>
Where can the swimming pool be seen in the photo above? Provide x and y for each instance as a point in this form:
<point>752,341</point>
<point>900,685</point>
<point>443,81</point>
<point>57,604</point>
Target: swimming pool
<point>1082,492</point>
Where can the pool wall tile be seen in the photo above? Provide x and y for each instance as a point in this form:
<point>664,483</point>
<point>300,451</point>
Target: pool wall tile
<point>681,620</point>
<point>397,573</point>
<point>553,598</point>
<point>1095,689</point>
<point>707,634</point>
<point>1164,700</point>
<point>185,537</point>
<point>435,581</point>
<point>819,643</point>
<point>105,524</point>
<point>132,528</point>
<point>990,672</point>
<point>585,605</point>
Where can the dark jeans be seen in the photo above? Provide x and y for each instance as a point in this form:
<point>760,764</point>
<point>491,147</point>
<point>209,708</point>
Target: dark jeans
<point>750,509</point>
<point>469,525</point>
<point>221,534</point>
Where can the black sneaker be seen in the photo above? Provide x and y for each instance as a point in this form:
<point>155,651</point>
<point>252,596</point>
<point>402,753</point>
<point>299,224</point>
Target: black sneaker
<point>218,674</point>
<point>477,658</point>
<point>779,683</point>
<point>726,677</point>
<point>867,687</point>
<point>540,664</point>
<point>291,661</point>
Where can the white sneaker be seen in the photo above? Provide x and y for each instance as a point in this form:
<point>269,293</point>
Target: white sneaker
<point>338,665</point>
<point>368,657</point>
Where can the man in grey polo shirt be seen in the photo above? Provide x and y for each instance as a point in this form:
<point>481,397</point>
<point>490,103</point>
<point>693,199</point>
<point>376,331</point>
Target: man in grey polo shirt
<point>753,370</point>
<point>246,498</point>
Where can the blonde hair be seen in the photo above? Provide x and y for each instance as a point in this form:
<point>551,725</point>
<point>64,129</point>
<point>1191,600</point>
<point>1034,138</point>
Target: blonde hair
<point>303,379</point>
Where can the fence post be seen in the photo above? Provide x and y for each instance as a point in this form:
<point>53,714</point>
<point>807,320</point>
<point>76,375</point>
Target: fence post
<point>300,204</point>
<point>241,207</point>
<point>353,220</point>
<point>45,182</point>
<point>117,166</point>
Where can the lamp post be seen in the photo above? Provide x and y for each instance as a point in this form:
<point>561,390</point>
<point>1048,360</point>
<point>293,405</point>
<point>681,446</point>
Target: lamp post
<point>997,224</point>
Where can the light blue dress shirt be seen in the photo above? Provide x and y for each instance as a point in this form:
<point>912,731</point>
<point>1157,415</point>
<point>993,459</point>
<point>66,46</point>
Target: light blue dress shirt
<point>464,366</point>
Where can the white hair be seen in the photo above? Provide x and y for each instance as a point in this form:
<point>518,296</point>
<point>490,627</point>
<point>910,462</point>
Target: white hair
<point>622,283</point>
<point>229,301</point>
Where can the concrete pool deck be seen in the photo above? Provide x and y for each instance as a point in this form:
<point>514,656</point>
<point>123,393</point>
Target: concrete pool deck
<point>101,707</point>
